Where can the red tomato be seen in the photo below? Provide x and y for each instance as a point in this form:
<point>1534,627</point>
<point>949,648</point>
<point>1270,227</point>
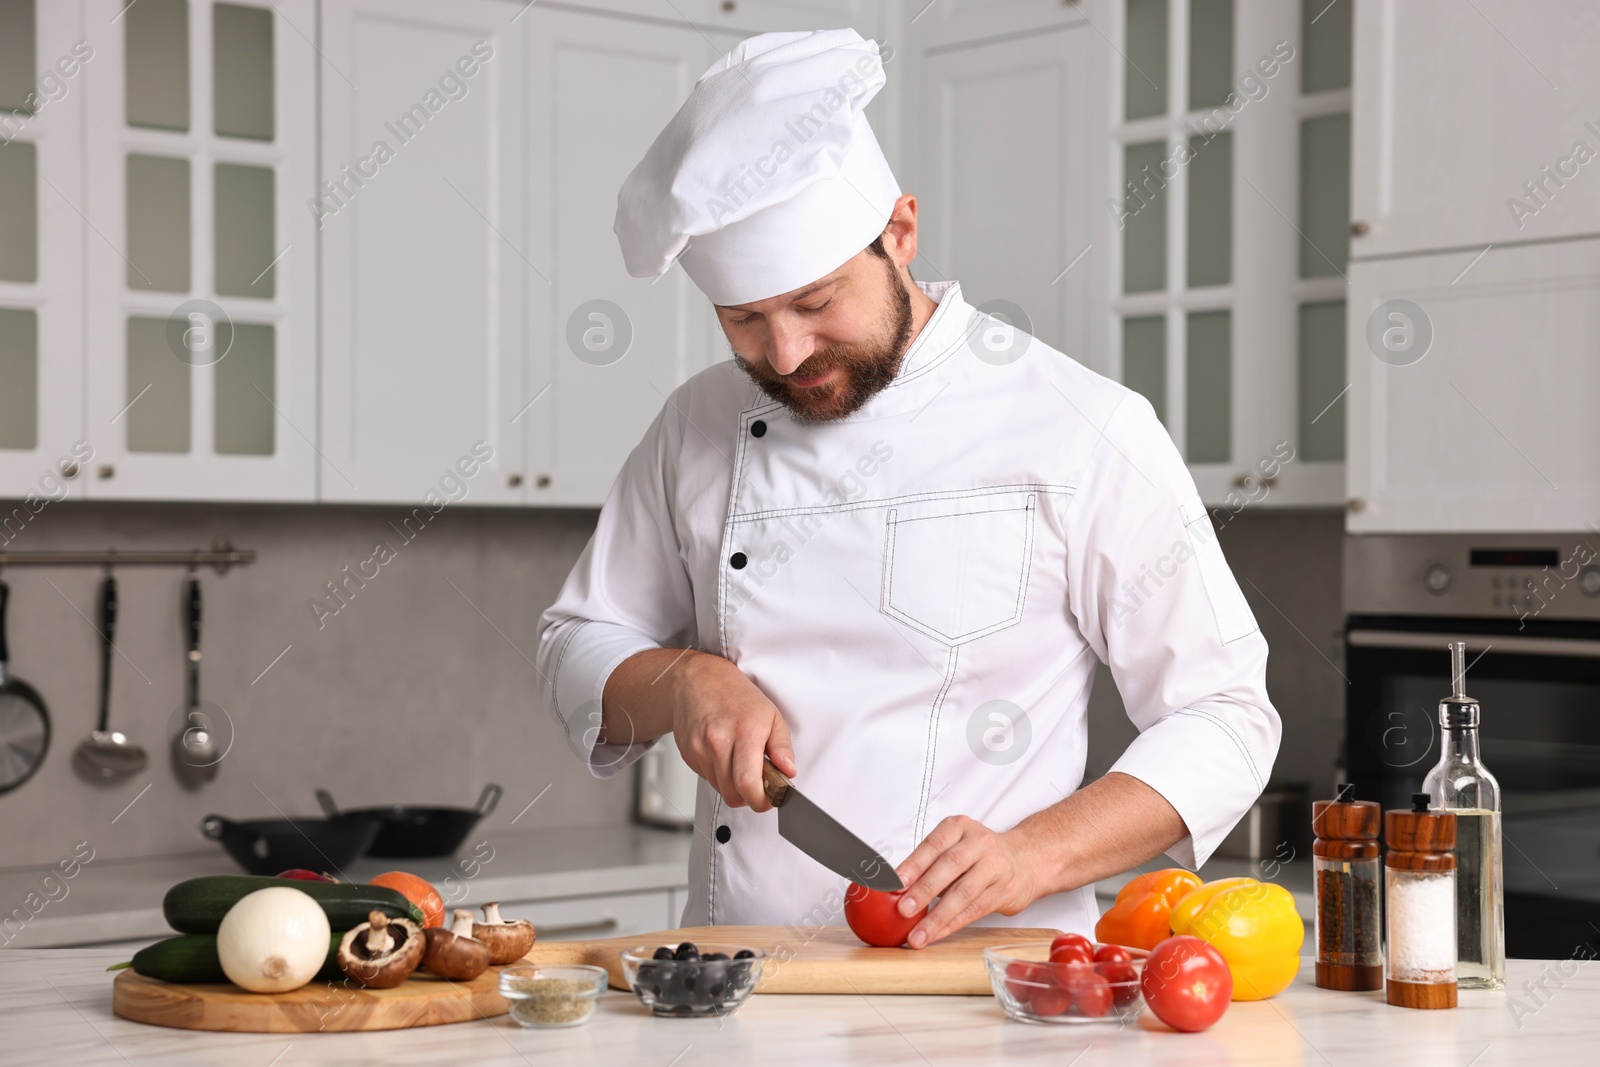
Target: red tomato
<point>875,917</point>
<point>1187,983</point>
<point>1091,994</point>
<point>1071,954</point>
<point>1051,999</point>
<point>1023,978</point>
<point>1116,963</point>
<point>1078,941</point>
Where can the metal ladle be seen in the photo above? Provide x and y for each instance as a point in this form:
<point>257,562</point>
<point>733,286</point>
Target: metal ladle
<point>194,747</point>
<point>107,755</point>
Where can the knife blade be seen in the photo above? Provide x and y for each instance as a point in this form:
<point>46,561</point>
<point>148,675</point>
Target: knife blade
<point>823,838</point>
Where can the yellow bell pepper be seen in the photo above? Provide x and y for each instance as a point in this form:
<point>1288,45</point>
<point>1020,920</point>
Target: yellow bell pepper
<point>1189,905</point>
<point>1257,930</point>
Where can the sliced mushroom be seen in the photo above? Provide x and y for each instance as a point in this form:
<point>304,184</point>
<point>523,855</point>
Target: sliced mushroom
<point>453,953</point>
<point>507,941</point>
<point>381,952</point>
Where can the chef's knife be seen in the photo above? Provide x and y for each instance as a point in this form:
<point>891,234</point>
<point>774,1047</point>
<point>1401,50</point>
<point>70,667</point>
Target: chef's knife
<point>820,836</point>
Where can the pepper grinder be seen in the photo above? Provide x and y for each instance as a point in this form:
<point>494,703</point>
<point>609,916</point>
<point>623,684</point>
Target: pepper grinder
<point>1420,879</point>
<point>1345,858</point>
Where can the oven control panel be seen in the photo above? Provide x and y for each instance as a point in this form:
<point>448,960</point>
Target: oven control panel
<point>1522,576</point>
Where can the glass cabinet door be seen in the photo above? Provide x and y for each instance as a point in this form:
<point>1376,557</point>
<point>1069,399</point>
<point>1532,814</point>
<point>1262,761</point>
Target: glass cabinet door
<point>1231,219</point>
<point>202,291</point>
<point>42,58</point>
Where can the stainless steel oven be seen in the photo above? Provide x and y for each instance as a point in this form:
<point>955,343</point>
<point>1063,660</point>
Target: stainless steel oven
<point>1528,608</point>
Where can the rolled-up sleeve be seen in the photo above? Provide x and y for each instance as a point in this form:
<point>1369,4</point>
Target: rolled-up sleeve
<point>627,593</point>
<point>1153,594</point>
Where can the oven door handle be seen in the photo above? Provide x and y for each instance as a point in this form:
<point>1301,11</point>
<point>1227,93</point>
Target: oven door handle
<point>1438,642</point>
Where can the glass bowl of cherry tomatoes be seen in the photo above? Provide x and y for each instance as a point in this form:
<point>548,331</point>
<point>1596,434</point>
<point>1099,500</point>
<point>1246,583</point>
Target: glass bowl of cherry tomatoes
<point>1068,980</point>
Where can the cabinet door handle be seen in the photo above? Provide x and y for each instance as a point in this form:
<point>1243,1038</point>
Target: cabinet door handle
<point>598,926</point>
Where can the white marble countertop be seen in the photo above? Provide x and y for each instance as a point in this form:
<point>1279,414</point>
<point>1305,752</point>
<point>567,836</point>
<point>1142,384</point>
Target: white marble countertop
<point>57,1009</point>
<point>120,900</point>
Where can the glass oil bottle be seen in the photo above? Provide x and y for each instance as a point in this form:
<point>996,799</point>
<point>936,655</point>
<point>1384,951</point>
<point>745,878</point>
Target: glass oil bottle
<point>1462,784</point>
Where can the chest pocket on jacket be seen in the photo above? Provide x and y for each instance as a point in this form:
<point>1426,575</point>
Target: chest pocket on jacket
<point>960,575</point>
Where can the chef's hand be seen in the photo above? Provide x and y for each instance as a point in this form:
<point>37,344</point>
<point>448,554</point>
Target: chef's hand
<point>724,725</point>
<point>974,872</point>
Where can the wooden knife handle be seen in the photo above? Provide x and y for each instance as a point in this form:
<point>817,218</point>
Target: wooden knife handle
<point>775,784</point>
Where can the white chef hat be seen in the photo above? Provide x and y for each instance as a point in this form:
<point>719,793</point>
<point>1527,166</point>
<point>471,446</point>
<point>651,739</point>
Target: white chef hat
<point>769,176</point>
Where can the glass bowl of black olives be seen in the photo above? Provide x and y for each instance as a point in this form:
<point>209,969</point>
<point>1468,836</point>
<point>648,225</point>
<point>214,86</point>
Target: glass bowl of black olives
<point>692,980</point>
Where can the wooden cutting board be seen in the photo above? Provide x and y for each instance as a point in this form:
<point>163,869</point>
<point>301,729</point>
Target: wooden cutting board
<point>422,1000</point>
<point>828,959</point>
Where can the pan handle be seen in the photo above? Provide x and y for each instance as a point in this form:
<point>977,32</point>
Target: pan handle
<point>489,799</point>
<point>325,802</point>
<point>5,652</point>
<point>214,826</point>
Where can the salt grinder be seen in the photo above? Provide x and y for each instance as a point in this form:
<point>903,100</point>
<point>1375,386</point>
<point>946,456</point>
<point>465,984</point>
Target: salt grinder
<point>1420,878</point>
<point>1345,857</point>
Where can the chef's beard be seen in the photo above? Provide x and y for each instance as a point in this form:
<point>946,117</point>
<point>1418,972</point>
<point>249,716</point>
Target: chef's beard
<point>868,366</point>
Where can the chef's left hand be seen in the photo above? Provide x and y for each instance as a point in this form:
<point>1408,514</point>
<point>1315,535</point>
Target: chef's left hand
<point>974,872</point>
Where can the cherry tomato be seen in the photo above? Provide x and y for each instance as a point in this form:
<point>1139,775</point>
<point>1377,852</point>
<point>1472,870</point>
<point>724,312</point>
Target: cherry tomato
<point>1116,963</point>
<point>1071,954</point>
<point>1187,983</point>
<point>1023,979</point>
<point>1091,994</point>
<point>875,917</point>
<point>1051,999</point>
<point>1076,940</point>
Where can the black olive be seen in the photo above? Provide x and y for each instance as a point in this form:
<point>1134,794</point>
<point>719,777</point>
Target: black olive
<point>687,951</point>
<point>663,953</point>
<point>744,954</point>
<point>682,1009</point>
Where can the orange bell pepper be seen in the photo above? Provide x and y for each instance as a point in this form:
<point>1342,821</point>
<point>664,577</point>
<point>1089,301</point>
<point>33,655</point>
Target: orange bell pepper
<point>1172,884</point>
<point>1141,915</point>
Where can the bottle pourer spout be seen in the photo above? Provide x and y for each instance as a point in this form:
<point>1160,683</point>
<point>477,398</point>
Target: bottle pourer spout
<point>1458,669</point>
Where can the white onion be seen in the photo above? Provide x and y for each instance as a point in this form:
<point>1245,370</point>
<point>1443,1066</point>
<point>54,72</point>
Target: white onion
<point>273,940</point>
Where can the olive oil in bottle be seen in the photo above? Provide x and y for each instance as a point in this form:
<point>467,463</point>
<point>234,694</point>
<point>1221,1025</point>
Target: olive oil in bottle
<point>1462,784</point>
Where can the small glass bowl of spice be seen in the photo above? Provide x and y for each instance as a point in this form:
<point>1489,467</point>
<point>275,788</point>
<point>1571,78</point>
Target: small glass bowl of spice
<point>552,996</point>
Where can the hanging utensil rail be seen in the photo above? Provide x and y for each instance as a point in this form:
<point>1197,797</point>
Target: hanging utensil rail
<point>222,556</point>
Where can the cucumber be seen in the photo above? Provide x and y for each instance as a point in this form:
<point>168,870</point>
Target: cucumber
<point>193,958</point>
<point>198,905</point>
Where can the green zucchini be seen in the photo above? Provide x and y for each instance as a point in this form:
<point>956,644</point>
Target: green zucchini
<point>193,958</point>
<point>198,905</point>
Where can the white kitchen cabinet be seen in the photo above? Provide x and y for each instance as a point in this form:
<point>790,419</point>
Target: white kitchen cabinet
<point>606,349</point>
<point>1003,200</point>
<point>765,16</point>
<point>41,257</point>
<point>1457,107</point>
<point>944,23</point>
<point>745,16</point>
<point>200,260</point>
<point>1488,426</point>
<point>425,255</point>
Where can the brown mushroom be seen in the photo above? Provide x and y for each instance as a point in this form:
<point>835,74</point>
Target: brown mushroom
<point>453,953</point>
<point>507,941</point>
<point>381,952</point>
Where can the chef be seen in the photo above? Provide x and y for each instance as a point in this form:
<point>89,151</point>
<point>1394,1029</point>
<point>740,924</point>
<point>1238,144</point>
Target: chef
<point>884,545</point>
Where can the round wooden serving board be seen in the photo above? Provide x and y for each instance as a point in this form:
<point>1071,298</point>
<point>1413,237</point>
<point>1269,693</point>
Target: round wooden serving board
<point>330,1007</point>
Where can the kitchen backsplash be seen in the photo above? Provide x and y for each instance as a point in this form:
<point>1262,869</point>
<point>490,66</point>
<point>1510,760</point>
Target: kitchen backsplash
<point>419,690</point>
<point>1288,564</point>
<point>416,685</point>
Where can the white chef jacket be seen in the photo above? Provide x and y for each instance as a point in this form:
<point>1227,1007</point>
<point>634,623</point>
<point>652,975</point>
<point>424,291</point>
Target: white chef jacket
<point>918,588</point>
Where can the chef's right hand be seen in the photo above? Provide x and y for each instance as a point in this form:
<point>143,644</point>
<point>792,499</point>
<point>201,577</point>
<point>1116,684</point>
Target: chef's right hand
<point>724,725</point>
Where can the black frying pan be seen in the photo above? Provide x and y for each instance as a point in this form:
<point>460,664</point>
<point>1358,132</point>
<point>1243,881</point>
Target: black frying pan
<point>24,721</point>
<point>417,833</point>
<point>270,846</point>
